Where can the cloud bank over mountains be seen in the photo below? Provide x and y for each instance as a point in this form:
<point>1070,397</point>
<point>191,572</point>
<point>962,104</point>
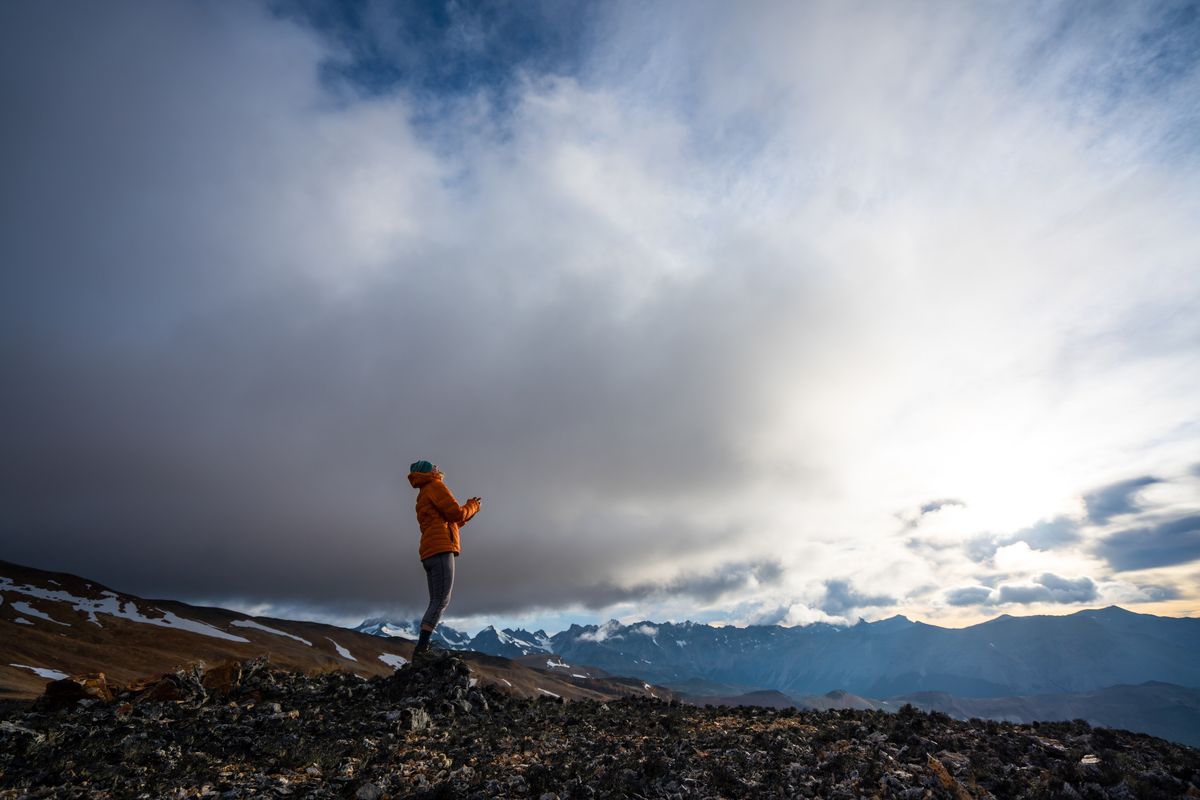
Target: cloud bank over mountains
<point>701,299</point>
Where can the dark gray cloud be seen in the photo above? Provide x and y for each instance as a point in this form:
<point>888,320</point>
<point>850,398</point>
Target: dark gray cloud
<point>968,595</point>
<point>705,586</point>
<point>218,368</point>
<point>980,548</point>
<point>693,586</point>
<point>1116,498</point>
<point>1068,590</point>
<point>713,585</point>
<point>1163,544</point>
<point>841,598</point>
<point>1049,588</point>
<point>1046,534</point>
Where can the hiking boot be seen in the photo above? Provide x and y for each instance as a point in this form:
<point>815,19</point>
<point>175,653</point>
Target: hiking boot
<point>428,654</point>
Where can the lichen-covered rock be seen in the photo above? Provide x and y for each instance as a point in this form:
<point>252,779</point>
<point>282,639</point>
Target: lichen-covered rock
<point>426,731</point>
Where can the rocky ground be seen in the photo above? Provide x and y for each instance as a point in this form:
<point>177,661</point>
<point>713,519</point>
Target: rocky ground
<point>429,731</point>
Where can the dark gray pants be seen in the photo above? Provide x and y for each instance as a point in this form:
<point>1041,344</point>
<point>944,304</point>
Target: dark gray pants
<point>439,571</point>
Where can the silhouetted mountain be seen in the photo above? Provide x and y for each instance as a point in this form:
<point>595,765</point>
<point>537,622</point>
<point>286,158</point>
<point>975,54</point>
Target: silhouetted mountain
<point>1006,656</point>
<point>1161,709</point>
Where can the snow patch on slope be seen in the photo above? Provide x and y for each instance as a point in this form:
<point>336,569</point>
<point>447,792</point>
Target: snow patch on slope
<point>343,652</point>
<point>25,608</point>
<point>42,672</point>
<point>393,661</point>
<point>246,623</point>
<point>110,603</point>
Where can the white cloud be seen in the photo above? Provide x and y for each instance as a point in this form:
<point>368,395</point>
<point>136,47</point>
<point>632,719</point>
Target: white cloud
<point>801,614</point>
<point>602,633</point>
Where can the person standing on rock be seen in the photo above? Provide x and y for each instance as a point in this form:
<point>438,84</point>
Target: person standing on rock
<point>440,516</point>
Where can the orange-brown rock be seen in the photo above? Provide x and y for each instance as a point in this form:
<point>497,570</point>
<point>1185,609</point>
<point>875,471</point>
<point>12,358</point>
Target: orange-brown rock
<point>223,678</point>
<point>947,780</point>
<point>163,691</point>
<point>141,684</point>
<point>90,686</point>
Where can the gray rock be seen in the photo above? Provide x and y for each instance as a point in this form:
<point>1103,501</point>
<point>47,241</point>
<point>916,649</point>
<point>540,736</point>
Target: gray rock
<point>368,791</point>
<point>415,719</point>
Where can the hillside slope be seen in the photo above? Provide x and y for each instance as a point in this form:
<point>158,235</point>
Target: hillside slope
<point>54,624</point>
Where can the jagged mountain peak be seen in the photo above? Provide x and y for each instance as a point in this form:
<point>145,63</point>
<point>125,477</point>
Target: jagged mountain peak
<point>508,643</point>
<point>444,636</point>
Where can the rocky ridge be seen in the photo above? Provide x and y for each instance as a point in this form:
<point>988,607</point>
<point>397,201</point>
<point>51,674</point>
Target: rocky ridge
<point>53,624</point>
<point>431,730</point>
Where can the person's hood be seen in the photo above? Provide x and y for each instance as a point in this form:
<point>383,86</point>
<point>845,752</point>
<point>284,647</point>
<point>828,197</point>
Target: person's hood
<point>419,479</point>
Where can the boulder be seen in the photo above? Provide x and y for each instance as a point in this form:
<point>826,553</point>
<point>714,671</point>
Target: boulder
<point>368,791</point>
<point>223,678</point>
<point>415,719</point>
<point>68,691</point>
<point>161,691</point>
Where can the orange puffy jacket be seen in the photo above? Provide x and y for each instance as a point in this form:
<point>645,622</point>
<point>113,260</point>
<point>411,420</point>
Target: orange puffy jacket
<point>439,514</point>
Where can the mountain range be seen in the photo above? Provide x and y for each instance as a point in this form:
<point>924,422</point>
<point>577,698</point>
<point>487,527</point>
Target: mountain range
<point>1036,655</point>
<point>1109,666</point>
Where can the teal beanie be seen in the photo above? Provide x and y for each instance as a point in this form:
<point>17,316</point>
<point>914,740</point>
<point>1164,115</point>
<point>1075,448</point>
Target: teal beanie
<point>421,466</point>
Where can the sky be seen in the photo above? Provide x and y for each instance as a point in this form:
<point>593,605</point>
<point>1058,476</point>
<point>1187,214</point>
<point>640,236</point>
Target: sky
<point>744,313</point>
